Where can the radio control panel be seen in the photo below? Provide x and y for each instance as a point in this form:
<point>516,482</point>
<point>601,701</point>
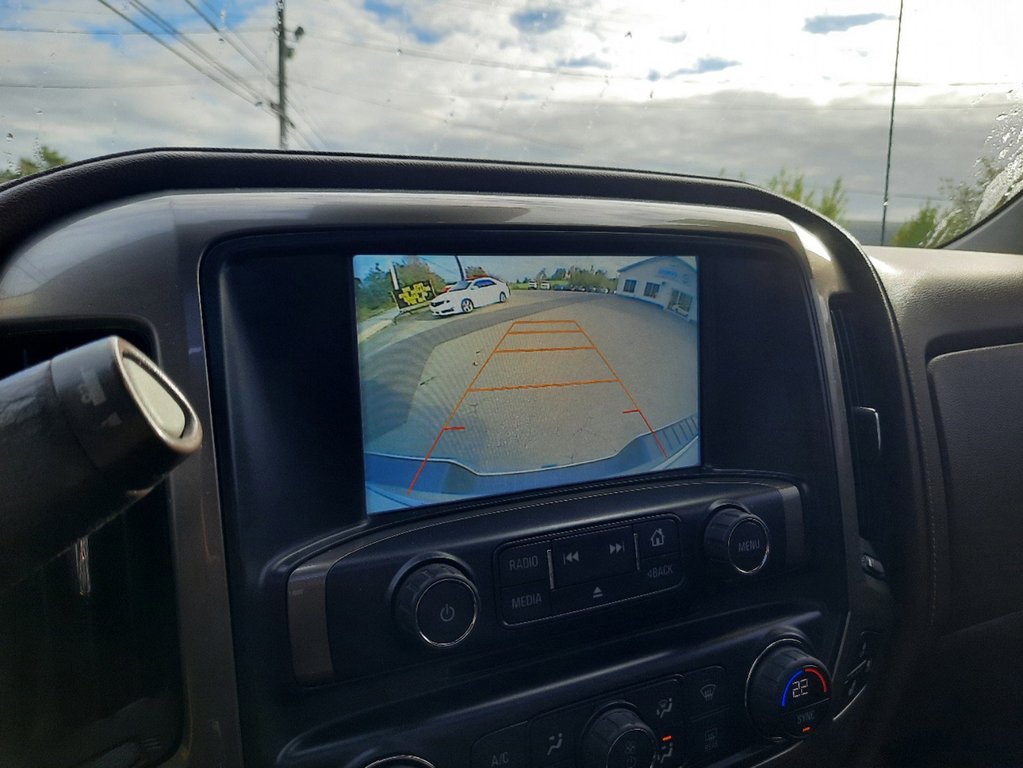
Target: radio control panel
<point>497,580</point>
<point>583,570</point>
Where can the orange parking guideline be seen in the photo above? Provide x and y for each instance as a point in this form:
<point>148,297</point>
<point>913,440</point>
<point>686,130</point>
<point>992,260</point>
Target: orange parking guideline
<point>497,350</point>
<point>544,322</point>
<point>626,390</point>
<point>533,333</point>
<point>454,410</point>
<point>545,386</point>
<point>539,349</point>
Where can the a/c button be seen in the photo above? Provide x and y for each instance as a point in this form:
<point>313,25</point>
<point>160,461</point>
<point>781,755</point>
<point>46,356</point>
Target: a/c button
<point>507,748</point>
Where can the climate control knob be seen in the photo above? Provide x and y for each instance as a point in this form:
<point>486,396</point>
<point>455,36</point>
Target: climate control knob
<point>437,605</point>
<point>618,739</point>
<point>789,693</point>
<point>738,539</point>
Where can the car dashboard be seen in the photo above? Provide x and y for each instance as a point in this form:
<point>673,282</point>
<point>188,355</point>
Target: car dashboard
<point>795,566</point>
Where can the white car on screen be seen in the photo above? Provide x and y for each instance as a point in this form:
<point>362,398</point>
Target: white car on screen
<point>464,296</point>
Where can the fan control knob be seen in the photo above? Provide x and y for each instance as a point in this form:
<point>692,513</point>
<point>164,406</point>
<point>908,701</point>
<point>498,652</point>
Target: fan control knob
<point>618,739</point>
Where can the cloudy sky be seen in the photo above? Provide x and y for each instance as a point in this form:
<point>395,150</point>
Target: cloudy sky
<point>694,86</point>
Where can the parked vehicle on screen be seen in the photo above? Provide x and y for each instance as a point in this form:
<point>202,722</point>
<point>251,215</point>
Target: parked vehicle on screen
<point>466,295</point>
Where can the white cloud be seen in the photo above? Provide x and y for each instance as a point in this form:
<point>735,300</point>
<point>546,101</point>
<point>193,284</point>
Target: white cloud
<point>689,86</point>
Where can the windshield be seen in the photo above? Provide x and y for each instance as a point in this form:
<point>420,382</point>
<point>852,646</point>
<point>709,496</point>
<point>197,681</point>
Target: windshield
<point>461,285</point>
<point>899,121</point>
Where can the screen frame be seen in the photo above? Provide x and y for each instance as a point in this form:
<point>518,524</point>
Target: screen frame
<point>333,505</point>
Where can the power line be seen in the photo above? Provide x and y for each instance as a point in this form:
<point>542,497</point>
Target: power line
<point>112,32</point>
<point>451,123</point>
<point>694,79</point>
<point>92,86</point>
<point>220,74</point>
<point>226,38</point>
<point>193,64</point>
<point>221,15</point>
<point>196,49</point>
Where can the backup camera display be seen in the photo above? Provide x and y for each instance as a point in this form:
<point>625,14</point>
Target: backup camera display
<point>487,375</point>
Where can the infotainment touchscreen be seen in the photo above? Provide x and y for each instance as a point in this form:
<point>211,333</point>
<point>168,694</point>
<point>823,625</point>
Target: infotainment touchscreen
<point>488,375</point>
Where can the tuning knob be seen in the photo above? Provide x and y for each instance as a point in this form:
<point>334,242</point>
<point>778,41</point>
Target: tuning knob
<point>618,739</point>
<point>738,539</point>
<point>789,693</point>
<point>437,605</point>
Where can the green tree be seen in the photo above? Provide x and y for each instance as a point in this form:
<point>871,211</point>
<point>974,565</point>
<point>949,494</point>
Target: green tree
<point>831,202</point>
<point>917,230</point>
<point>45,159</point>
<point>373,294</point>
<point>968,202</point>
<point>415,270</point>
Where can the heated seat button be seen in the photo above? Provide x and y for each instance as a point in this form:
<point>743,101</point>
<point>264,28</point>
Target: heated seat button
<point>656,538</point>
<point>507,748</point>
<point>526,602</point>
<point>704,691</point>
<point>523,564</point>
<point>591,556</point>
<point>669,753</point>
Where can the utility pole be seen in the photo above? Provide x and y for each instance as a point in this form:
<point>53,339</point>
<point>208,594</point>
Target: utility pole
<point>282,82</point>
<point>284,52</point>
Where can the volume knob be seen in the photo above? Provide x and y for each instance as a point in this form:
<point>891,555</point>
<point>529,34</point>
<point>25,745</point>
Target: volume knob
<point>437,605</point>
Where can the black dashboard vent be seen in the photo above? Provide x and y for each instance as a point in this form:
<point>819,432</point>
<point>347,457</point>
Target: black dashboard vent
<point>89,662</point>
<point>852,337</point>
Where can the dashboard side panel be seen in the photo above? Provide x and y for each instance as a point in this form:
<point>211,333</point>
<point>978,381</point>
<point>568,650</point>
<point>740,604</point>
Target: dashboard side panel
<point>980,429</point>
